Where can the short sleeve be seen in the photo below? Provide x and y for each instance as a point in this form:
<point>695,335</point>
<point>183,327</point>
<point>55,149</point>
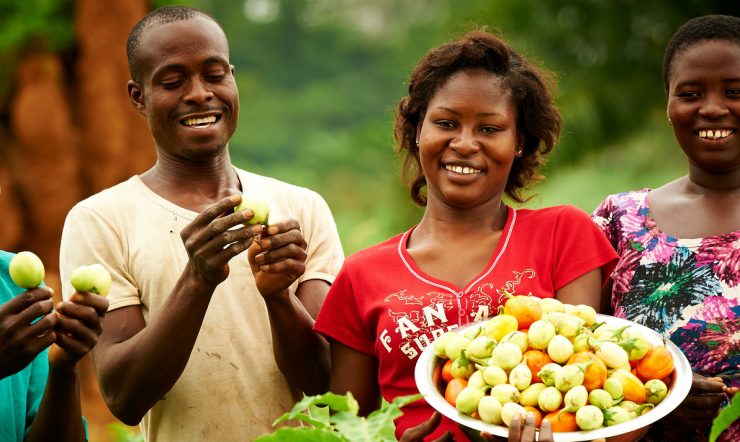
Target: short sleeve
<point>603,217</point>
<point>580,248</point>
<point>339,317</point>
<point>324,249</point>
<point>89,238</point>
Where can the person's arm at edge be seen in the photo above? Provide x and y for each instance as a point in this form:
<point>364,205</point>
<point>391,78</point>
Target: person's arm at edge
<point>60,415</point>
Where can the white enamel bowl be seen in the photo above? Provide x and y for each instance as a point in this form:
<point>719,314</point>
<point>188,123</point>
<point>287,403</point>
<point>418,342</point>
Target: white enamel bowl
<point>677,391</point>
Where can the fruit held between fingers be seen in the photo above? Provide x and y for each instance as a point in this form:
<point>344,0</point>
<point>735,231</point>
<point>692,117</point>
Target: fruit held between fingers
<point>92,278</point>
<point>258,206</point>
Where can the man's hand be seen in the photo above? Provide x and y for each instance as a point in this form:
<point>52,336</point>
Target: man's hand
<point>78,327</point>
<point>213,238</point>
<point>278,258</point>
<point>20,340</point>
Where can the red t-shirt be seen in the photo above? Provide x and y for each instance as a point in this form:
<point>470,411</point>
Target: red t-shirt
<point>384,305</point>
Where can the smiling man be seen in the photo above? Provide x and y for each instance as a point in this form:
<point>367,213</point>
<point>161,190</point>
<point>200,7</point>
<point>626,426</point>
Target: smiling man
<point>208,313</point>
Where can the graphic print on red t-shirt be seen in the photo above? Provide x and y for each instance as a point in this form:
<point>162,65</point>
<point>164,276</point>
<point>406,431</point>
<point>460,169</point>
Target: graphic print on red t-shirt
<point>423,318</point>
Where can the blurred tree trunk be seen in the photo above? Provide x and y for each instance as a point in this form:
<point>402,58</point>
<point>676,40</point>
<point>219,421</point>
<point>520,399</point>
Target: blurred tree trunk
<point>72,132</point>
<point>115,141</point>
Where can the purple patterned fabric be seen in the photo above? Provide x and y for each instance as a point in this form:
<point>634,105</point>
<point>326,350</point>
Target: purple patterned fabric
<point>686,289</point>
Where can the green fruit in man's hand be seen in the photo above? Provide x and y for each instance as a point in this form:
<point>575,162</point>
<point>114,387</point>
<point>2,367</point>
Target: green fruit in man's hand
<point>92,279</point>
<point>26,270</point>
<point>258,206</point>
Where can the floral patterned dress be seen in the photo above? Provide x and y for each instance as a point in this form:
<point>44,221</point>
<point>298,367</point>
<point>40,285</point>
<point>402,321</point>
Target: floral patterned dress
<point>686,289</point>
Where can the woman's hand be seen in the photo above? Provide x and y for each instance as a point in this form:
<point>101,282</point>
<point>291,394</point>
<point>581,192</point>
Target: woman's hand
<point>702,404</point>
<point>523,430</point>
<point>419,432</point>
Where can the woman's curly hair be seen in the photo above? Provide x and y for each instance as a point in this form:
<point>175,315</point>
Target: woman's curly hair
<point>538,119</point>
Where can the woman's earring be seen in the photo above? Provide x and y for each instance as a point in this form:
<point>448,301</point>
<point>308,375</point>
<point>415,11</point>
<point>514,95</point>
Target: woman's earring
<point>519,153</point>
<point>417,142</point>
<point>669,121</point>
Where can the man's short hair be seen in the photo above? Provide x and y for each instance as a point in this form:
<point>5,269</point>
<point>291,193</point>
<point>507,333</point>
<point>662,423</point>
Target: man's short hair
<point>160,16</point>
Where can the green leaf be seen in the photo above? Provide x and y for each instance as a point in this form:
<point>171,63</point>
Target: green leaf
<point>725,418</point>
<point>334,418</point>
<point>321,413</point>
<point>307,409</point>
<point>379,424</point>
<point>302,434</point>
<point>393,408</point>
<point>358,429</point>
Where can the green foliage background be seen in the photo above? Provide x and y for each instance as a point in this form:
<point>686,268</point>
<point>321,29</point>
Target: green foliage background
<point>319,80</point>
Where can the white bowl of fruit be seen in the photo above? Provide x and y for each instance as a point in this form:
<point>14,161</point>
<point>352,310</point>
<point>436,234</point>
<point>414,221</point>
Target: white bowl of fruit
<point>592,376</point>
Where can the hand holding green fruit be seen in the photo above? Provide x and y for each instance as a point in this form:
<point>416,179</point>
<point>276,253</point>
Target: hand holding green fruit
<point>258,206</point>
<point>93,279</point>
<point>26,270</point>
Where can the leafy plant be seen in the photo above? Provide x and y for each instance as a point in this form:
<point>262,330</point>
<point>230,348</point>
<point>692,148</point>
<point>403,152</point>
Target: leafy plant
<point>726,417</point>
<point>333,418</point>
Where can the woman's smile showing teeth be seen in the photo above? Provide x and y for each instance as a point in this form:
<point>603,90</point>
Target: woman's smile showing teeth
<point>462,170</point>
<point>715,134</point>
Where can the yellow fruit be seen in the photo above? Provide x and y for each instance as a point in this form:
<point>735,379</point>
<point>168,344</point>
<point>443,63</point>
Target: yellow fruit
<point>500,325</point>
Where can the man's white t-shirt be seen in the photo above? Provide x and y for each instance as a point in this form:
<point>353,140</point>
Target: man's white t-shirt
<point>231,388</point>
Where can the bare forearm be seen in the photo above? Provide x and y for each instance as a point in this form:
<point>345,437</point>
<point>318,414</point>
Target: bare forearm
<point>137,372</point>
<point>59,416</point>
<point>301,354</point>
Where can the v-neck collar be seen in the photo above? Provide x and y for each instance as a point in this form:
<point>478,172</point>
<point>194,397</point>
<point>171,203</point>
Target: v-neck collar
<point>419,274</point>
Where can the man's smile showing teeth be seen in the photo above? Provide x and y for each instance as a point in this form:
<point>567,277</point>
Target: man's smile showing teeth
<point>463,170</point>
<point>715,134</point>
<point>200,122</point>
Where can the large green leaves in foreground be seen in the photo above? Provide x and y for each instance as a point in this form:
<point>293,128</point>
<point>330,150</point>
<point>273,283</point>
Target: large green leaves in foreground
<point>726,417</point>
<point>331,417</point>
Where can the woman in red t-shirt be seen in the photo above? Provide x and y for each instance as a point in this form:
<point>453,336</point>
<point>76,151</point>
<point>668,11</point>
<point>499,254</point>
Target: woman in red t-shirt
<point>476,125</point>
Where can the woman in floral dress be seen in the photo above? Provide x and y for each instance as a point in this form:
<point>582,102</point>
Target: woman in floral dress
<point>679,244</point>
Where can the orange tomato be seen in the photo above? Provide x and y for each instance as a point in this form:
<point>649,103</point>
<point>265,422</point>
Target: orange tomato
<point>656,364</point>
<point>453,389</point>
<point>536,359</point>
<point>525,308</point>
<point>447,371</point>
<point>595,375</point>
<point>562,421</point>
<point>537,414</point>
